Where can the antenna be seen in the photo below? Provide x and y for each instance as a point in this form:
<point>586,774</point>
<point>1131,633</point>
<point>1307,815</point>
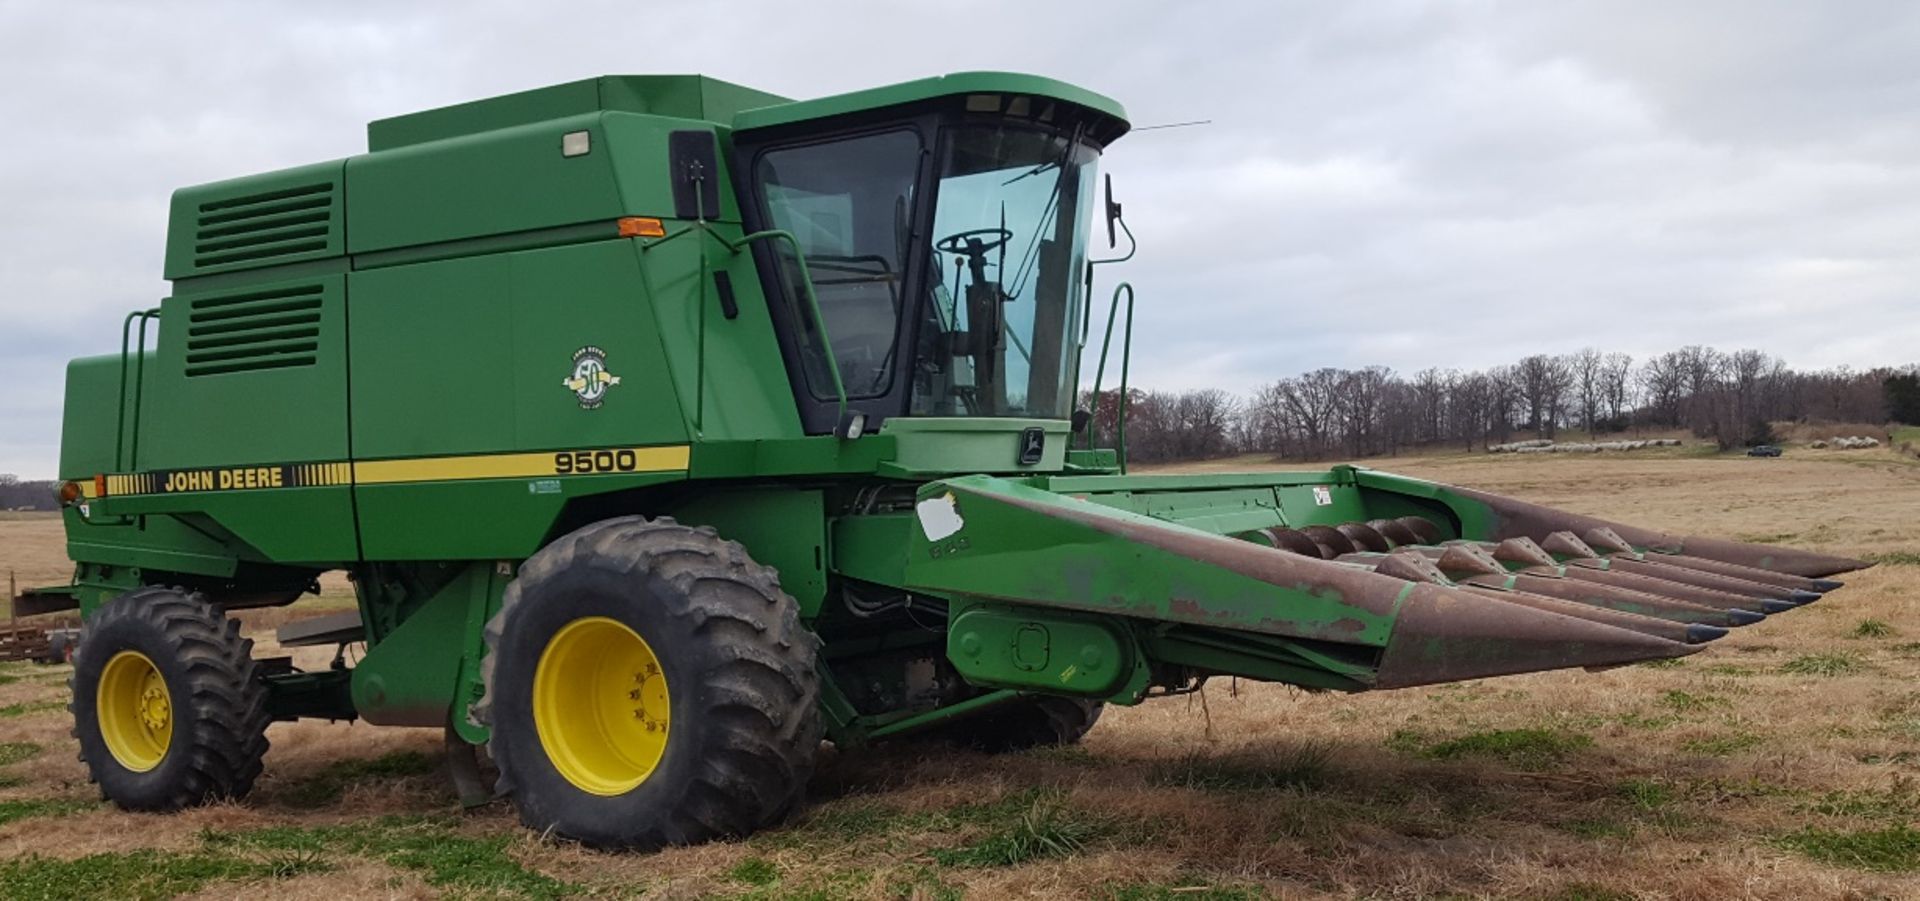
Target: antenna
<point>1174,125</point>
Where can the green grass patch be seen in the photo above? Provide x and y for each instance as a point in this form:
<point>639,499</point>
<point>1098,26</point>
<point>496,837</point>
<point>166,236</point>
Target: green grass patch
<point>757,871</point>
<point>328,785</point>
<point>1907,727</point>
<point>1894,558</point>
<point>1645,794</point>
<point>1021,826</point>
<point>1663,663</point>
<point>12,752</point>
<point>144,874</point>
<point>855,820</point>
<point>1722,791</point>
<point>921,882</point>
<point>1597,829</point>
<point>1527,749</point>
<point>1645,721</point>
<point>25,707</point>
<point>1688,702</point>
<point>8,678</point>
<point>445,857</point>
<point>1891,850</point>
<point>1045,830</point>
<point>1305,765</point>
<point>1639,804</point>
<point>1897,802</point>
<point>1721,745</point>
<point>1872,628</point>
<point>846,821</point>
<point>39,807</point>
<point>1834,664</point>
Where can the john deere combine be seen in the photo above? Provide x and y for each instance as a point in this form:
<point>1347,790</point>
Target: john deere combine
<point>666,427</point>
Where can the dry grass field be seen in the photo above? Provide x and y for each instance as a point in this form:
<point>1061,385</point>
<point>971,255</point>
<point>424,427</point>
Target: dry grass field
<point>1784,762</point>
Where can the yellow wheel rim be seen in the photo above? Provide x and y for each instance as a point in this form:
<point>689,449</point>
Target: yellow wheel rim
<point>600,706</point>
<point>135,711</point>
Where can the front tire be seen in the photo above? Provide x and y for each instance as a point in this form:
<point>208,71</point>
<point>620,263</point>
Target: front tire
<point>167,705</point>
<point>648,684</point>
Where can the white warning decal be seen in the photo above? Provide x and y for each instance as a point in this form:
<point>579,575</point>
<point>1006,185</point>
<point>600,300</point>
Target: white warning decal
<point>939,516</point>
<point>1322,496</point>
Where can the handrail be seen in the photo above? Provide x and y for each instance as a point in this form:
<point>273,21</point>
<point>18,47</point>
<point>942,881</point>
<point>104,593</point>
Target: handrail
<point>806,290</point>
<point>1100,372</point>
<point>121,463</point>
<point>1133,246</point>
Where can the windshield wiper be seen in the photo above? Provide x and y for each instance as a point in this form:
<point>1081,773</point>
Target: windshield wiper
<point>1031,255</point>
<point>1049,164</point>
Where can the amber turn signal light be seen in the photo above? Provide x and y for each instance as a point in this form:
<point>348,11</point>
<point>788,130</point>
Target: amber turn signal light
<point>642,227</point>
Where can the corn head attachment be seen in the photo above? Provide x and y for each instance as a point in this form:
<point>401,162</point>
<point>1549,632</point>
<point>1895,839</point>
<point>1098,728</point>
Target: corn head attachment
<point>1349,579</point>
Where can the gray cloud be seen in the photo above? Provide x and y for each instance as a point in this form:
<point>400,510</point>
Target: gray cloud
<point>1404,183</point>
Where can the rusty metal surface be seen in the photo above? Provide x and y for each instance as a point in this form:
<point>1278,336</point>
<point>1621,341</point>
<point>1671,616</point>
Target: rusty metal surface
<point>1785,581</point>
<point>1526,589</point>
<point>1584,570</point>
<point>1698,588</point>
<point>1445,636</point>
<point>1660,569</point>
<point>1627,600</point>
<point>24,643</point>
<point>1418,564</point>
<point>1515,518</point>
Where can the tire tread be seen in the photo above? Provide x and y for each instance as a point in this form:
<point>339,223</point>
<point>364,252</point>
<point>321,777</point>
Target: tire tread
<point>763,727</point>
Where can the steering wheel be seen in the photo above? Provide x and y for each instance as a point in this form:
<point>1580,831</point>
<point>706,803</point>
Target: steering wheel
<point>966,243</point>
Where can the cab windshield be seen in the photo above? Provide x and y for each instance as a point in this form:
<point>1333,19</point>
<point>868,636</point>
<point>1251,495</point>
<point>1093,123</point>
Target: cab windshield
<point>987,324</point>
<point>1005,293</point>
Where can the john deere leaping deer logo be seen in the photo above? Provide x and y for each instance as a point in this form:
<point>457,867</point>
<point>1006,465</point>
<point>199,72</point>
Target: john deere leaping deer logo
<point>590,379</point>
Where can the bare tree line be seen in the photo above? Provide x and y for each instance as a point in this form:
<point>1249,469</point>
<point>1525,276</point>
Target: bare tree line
<point>21,495</point>
<point>1729,398</point>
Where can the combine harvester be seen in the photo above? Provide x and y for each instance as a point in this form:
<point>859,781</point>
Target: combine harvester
<point>666,427</point>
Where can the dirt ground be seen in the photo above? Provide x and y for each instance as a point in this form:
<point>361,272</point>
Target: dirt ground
<point>1783,762</point>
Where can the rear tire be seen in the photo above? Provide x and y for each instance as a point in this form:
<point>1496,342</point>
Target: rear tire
<point>167,704</point>
<point>1034,722</point>
<point>648,684</point>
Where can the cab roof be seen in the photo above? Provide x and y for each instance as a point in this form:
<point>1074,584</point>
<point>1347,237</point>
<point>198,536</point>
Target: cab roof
<point>960,83</point>
<point>709,99</point>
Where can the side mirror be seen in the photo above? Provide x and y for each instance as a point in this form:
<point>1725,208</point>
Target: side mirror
<point>694,171</point>
<point>1113,213</point>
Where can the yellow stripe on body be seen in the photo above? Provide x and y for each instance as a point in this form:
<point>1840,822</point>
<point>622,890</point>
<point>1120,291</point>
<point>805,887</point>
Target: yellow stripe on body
<point>508,466</point>
<point>443,469</point>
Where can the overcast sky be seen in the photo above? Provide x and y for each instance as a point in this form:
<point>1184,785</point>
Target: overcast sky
<point>1410,184</point>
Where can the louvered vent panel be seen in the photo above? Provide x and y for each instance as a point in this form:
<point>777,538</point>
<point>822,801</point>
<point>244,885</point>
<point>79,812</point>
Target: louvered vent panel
<point>260,228</point>
<point>247,332</point>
